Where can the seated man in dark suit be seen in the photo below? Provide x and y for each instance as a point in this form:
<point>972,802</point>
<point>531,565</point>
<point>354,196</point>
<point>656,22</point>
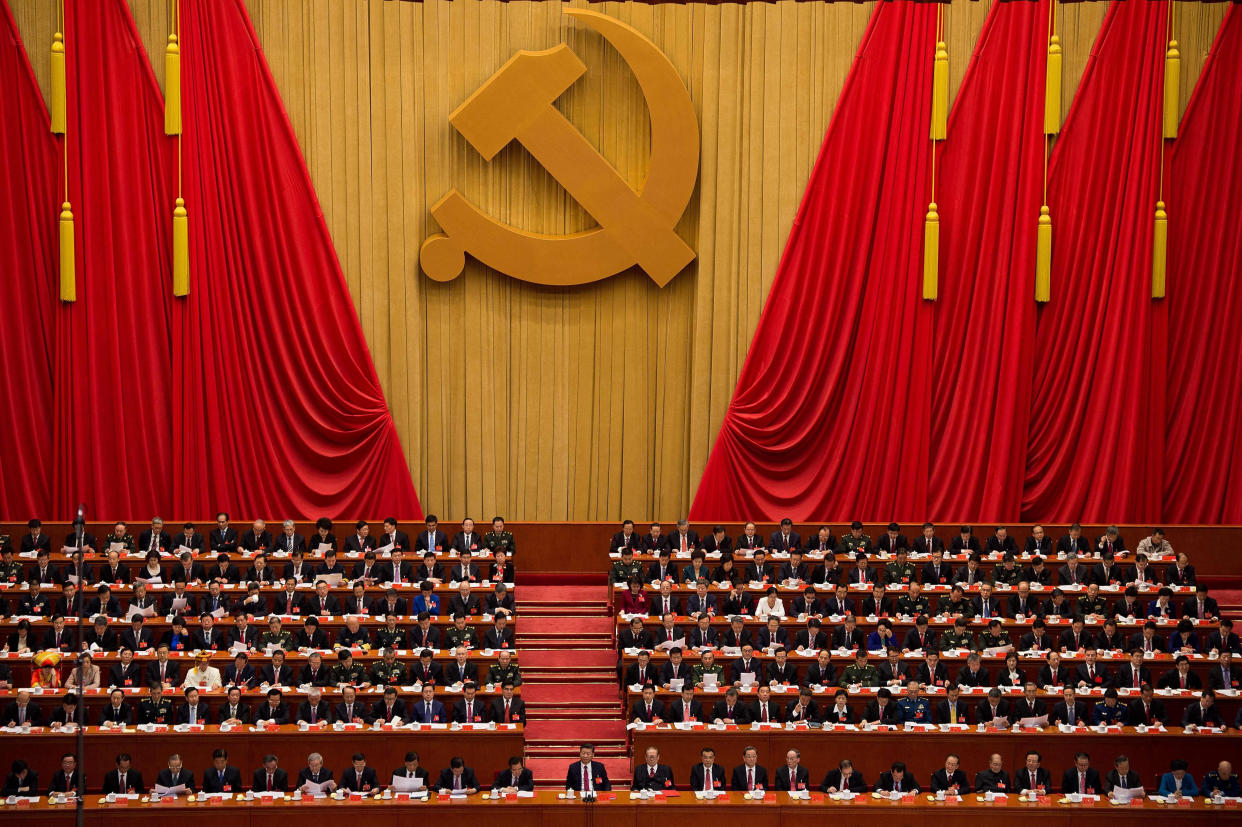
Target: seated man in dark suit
<point>1122,776</point>
<point>792,777</point>
<point>1203,713</point>
<point>586,774</point>
<point>749,775</point>
<point>124,780</point>
<point>651,774</point>
<point>1033,776</point>
<point>270,777</point>
<point>844,777</point>
<point>507,709</point>
<point>175,775</point>
<point>220,777</point>
<point>950,777</point>
<point>1180,677</point>
<point>896,779</point>
<point>685,709</point>
<point>1069,710</point>
<point>648,709</point>
<point>360,777</point>
<point>516,778</point>
<point>411,769</point>
<point>707,774</point>
<point>1082,777</point>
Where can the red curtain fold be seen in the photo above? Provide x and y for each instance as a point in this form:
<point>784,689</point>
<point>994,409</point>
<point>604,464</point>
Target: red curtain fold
<point>1095,450</point>
<point>1203,453</point>
<point>827,419</point>
<point>27,280</point>
<point>113,433</point>
<point>990,183</point>
<point>283,412</point>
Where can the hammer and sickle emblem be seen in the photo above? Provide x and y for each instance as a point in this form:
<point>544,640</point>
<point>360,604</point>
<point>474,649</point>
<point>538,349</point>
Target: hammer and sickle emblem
<point>635,228</point>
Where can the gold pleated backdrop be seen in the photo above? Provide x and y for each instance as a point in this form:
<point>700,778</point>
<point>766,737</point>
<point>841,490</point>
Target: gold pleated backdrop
<point>597,402</point>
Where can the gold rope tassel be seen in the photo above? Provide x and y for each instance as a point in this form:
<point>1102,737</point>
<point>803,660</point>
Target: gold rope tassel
<point>1172,89</point>
<point>172,86</point>
<point>1043,256</point>
<point>940,93</point>
<point>1159,252</point>
<point>931,254</point>
<point>1052,88</point>
<point>59,105</point>
<point>181,250</point>
<point>68,273</point>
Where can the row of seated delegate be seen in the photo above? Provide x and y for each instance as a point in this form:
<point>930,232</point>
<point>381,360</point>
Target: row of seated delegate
<point>222,777</point>
<point>313,707</point>
<point>794,569</point>
<point>227,539</point>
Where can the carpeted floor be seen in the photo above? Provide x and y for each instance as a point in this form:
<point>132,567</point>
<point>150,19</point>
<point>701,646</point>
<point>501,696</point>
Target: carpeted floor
<point>564,626</point>
<point>561,594</point>
<point>568,694</point>
<point>573,730</point>
<point>585,658</point>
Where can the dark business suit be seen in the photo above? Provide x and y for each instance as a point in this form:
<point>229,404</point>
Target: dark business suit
<point>801,779</point>
<point>133,782</point>
<point>468,781</point>
<point>646,778</point>
<point>698,777</point>
<point>1070,781</point>
<point>525,782</point>
<point>741,783</point>
<point>219,781</point>
<point>280,781</point>
<point>599,777</point>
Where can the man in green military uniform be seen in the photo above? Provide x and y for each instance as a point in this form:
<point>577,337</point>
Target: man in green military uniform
<point>860,672</point>
<point>994,637</point>
<point>1091,603</point>
<point>914,603</point>
<point>959,637</point>
<point>707,665</point>
<point>276,636</point>
<point>626,569</point>
<point>900,570</point>
<point>459,634</point>
<point>389,671</point>
<point>156,709</point>
<point>349,673</point>
<point>856,540</point>
<point>504,671</point>
<point>1007,573</point>
<point>499,538</point>
<point>120,534</point>
<point>955,604</point>
<point>391,635</point>
<point>10,570</point>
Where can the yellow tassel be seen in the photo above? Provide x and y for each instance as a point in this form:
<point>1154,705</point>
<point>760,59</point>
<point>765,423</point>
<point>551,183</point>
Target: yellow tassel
<point>1052,88</point>
<point>59,99</point>
<point>931,254</point>
<point>68,272</point>
<point>1043,257</point>
<point>1159,252</point>
<point>181,250</point>
<point>940,93</point>
<point>1172,89</point>
<point>172,87</point>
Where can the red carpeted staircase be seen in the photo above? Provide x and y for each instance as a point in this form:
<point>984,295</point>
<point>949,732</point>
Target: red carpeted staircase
<point>569,680</point>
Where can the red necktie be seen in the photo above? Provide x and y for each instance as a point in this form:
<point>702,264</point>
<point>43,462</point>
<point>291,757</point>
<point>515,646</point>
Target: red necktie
<point>1183,680</point>
<point>507,719</point>
<point>765,713</point>
<point>750,778</point>
<point>269,782</point>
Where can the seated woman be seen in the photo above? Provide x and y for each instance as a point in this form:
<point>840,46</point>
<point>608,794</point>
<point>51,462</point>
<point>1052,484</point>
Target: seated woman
<point>85,675</point>
<point>634,599</point>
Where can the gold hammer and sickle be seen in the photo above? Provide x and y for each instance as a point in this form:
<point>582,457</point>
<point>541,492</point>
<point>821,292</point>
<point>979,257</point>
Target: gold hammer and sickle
<point>636,228</point>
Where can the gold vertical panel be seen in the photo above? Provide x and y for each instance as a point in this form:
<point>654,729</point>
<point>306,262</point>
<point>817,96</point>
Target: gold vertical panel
<point>597,402</point>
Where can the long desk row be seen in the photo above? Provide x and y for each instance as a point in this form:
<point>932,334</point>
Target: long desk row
<point>874,752</point>
<point>579,548</point>
<point>784,698</point>
<point>546,809</point>
<point>483,748</point>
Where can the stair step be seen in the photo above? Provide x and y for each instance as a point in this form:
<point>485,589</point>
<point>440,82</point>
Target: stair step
<point>536,658</point>
<point>563,611</point>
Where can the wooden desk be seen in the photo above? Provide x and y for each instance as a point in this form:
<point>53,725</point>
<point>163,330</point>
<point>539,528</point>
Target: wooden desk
<point>874,752</point>
<point>545,810</point>
<point>486,750</point>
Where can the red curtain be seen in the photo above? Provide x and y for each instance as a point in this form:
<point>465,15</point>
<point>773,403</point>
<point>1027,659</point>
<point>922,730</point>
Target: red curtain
<point>27,280</point>
<point>827,418</point>
<point>113,432</point>
<point>1203,481</point>
<point>990,182</point>
<point>280,409</point>
<point>1096,443</point>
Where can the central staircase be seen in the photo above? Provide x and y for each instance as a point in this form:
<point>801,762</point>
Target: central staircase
<point>568,659</point>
